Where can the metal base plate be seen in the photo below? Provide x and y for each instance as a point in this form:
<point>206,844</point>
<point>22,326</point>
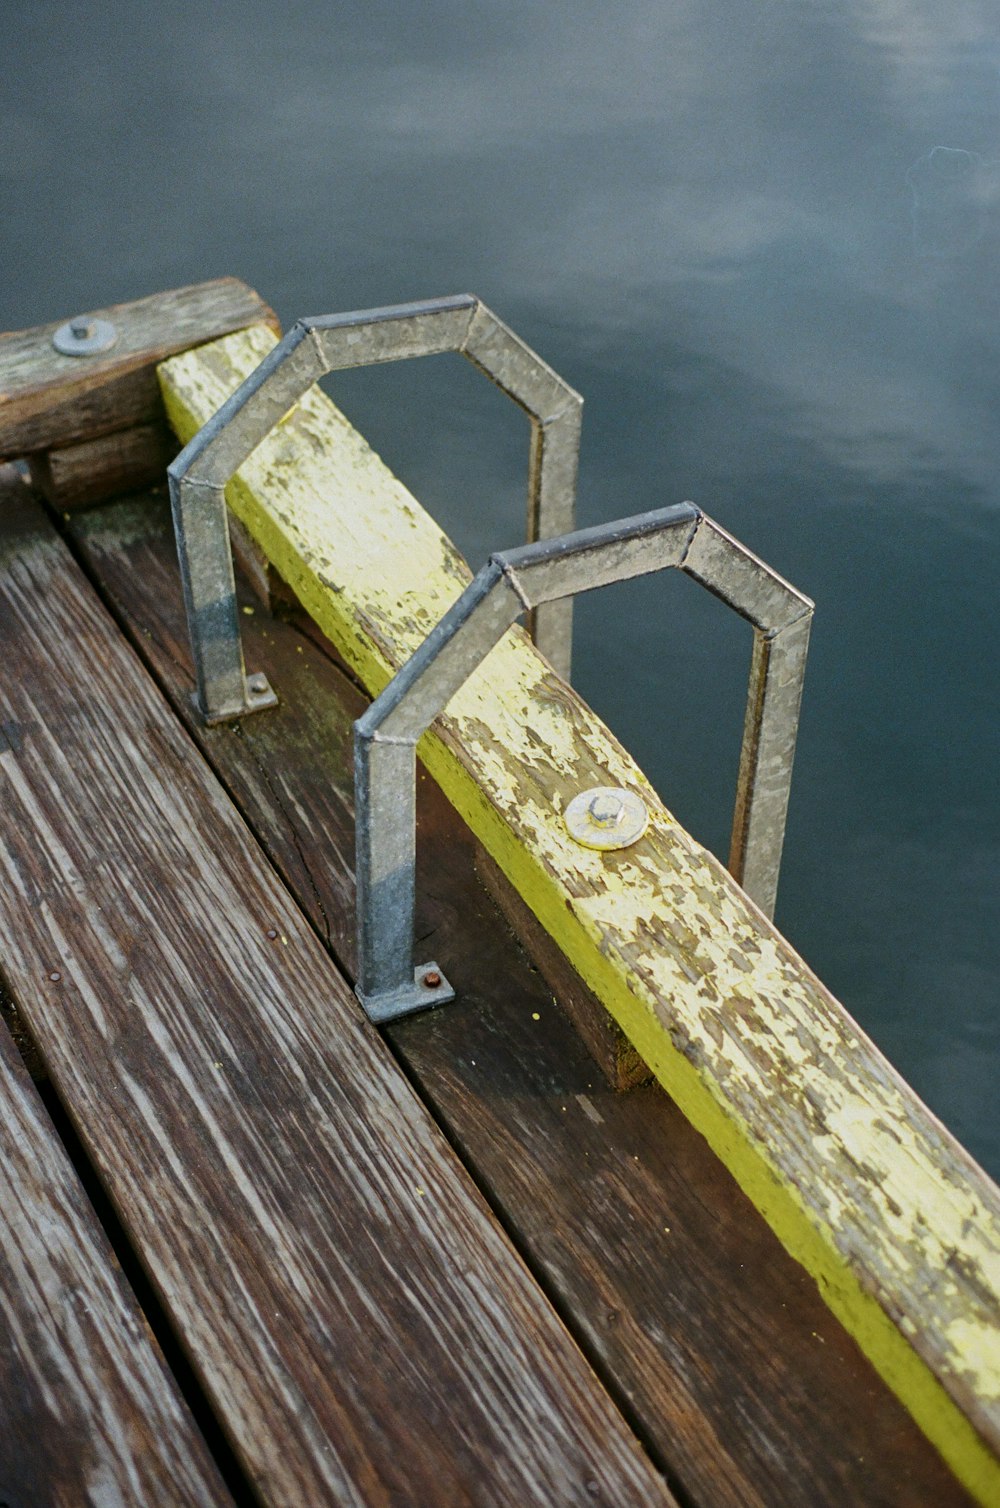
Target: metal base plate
<point>259,698</point>
<point>408,998</point>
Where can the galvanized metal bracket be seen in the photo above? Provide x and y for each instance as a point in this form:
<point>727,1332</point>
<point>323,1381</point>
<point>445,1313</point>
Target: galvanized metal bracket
<point>514,582</point>
<point>310,350</point>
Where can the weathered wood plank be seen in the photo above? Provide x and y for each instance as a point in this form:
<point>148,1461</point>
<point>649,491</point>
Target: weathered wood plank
<point>360,1323</point>
<point>741,1381</point>
<point>90,1414</point>
<point>863,1186</point>
<point>80,475</point>
<point>48,401</point>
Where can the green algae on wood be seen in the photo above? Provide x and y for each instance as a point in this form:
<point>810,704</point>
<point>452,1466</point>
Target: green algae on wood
<point>897,1225</point>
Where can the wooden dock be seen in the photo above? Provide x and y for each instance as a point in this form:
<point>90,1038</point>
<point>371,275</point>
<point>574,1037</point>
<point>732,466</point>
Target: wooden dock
<point>454,1261</point>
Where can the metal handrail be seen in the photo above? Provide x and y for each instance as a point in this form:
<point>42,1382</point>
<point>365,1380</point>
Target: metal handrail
<point>516,581</point>
<point>310,350</point>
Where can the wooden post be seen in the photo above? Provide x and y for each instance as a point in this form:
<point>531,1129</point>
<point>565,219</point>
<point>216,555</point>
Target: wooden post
<point>93,426</point>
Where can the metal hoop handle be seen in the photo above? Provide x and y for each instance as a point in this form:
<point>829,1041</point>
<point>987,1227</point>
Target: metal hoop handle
<point>311,349</point>
<point>516,581</point>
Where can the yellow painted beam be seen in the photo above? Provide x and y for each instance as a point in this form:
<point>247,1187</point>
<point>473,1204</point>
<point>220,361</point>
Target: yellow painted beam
<point>898,1226</point>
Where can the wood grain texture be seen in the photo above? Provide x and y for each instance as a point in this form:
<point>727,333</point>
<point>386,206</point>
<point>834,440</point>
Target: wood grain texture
<point>83,474</point>
<point>740,1379</point>
<point>361,1325</point>
<point>899,1227</point>
<point>48,401</point>
<point>90,1415</point>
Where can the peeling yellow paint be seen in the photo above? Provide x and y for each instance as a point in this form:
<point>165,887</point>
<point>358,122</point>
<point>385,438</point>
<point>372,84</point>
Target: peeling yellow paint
<point>900,1230</point>
<point>980,1353</point>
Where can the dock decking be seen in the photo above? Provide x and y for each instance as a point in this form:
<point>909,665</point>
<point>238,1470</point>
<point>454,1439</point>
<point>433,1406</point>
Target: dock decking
<point>445,1263</point>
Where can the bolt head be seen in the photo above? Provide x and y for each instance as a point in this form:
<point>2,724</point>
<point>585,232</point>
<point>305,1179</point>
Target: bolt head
<point>606,809</point>
<point>84,336</point>
<point>606,817</point>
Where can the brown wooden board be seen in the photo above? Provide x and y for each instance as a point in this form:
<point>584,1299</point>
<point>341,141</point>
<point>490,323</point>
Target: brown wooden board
<point>88,1412</point>
<point>738,1377</point>
<point>87,473</point>
<point>354,1313</point>
<point>49,401</point>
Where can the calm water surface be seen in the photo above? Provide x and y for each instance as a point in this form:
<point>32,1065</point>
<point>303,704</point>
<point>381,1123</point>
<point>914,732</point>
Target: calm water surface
<point>761,239</point>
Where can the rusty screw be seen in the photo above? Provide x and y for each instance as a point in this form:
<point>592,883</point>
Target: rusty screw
<point>431,979</point>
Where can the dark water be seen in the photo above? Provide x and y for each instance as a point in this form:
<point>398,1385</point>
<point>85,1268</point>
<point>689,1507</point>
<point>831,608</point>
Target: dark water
<point>761,239</point>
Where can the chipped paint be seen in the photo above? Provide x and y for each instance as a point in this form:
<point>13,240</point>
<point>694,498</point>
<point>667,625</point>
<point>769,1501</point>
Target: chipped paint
<point>899,1228</point>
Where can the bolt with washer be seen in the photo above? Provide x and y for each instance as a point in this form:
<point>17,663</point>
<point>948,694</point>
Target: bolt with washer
<point>606,817</point>
<point>84,336</point>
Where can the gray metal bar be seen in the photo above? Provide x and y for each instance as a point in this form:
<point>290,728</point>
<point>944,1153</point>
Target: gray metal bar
<point>197,479</point>
<point>515,368</point>
<point>781,617</point>
<point>334,342</point>
<point>385,744</point>
<point>210,599</point>
<point>764,783</point>
<point>385,780</point>
<point>730,571</point>
<point>556,413</point>
<point>552,472</point>
<point>597,557</point>
<point>518,580</point>
<point>384,877</point>
<point>247,417</point>
<point>395,334</point>
<point>445,660</point>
